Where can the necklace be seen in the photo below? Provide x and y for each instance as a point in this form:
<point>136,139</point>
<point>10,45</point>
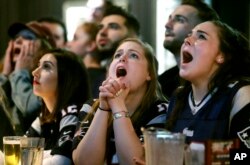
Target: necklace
<point>196,107</point>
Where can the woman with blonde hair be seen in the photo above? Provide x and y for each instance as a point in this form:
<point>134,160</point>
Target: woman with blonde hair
<point>130,98</point>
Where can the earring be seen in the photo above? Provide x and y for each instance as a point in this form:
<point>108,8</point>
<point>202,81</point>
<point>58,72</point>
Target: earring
<point>148,78</point>
<point>220,60</point>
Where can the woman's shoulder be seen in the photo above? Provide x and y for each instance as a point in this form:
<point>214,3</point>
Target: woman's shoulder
<point>243,91</point>
<point>240,90</point>
<point>160,105</point>
<point>242,97</point>
<point>72,109</point>
<point>86,107</point>
<point>157,114</point>
<point>234,88</point>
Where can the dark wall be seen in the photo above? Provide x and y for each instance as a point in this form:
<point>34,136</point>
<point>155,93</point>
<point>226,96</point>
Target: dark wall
<point>235,13</point>
<point>145,11</point>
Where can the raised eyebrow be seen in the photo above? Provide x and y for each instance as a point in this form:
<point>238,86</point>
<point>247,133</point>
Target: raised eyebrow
<point>48,62</point>
<point>118,51</point>
<point>133,50</point>
<point>201,31</point>
<point>198,31</point>
<point>129,50</point>
<point>113,23</point>
<point>181,16</point>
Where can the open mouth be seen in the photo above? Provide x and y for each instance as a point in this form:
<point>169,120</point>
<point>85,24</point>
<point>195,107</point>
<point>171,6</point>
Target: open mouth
<point>121,72</point>
<point>168,34</point>
<point>17,50</point>
<point>187,57</point>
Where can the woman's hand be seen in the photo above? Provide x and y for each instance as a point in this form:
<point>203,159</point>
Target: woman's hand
<point>139,161</point>
<point>104,94</point>
<point>112,92</point>
<point>25,59</point>
<point>8,63</point>
<point>117,102</point>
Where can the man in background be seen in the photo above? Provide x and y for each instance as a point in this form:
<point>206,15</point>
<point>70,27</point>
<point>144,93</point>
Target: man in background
<point>180,23</point>
<point>57,28</point>
<point>116,25</point>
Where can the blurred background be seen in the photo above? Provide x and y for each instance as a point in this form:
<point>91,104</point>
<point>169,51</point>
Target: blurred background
<point>152,15</point>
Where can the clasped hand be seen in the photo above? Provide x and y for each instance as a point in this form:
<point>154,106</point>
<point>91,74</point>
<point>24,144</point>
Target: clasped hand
<point>112,93</point>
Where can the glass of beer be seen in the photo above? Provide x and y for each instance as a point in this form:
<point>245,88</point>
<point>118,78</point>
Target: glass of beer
<point>163,147</point>
<point>32,150</point>
<point>11,149</point>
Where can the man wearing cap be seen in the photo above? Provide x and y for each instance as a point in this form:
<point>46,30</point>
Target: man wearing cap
<point>179,24</point>
<point>27,40</point>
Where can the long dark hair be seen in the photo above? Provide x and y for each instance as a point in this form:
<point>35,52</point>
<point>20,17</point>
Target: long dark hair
<point>73,83</point>
<point>236,66</point>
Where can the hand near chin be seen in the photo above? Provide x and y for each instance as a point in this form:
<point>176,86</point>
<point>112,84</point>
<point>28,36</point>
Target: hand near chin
<point>26,58</point>
<point>113,91</point>
<point>8,64</point>
<point>104,94</point>
<point>138,161</point>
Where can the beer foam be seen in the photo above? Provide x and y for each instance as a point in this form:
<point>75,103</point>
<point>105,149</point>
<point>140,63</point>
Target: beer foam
<point>11,142</point>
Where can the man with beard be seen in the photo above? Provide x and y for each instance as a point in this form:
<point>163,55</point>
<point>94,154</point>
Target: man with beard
<point>116,25</point>
<point>180,23</point>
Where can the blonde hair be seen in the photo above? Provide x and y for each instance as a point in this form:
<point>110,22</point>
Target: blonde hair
<point>153,92</point>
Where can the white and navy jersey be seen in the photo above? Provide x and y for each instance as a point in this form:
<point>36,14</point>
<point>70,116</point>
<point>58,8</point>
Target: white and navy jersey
<point>59,134</point>
<point>156,117</point>
<point>214,119</point>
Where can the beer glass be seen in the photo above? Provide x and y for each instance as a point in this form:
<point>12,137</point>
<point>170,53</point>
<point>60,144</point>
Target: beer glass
<point>32,150</point>
<point>11,149</point>
<point>163,147</point>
